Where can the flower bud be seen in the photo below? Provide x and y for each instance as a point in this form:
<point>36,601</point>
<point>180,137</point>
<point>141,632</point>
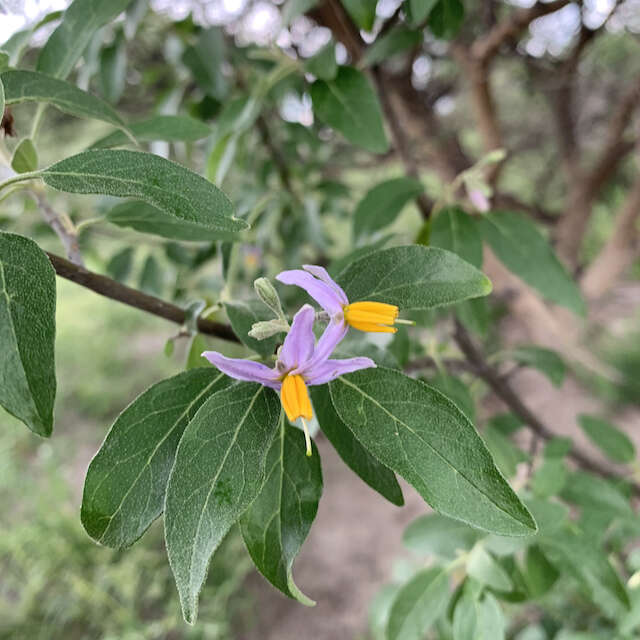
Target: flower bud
<point>266,329</point>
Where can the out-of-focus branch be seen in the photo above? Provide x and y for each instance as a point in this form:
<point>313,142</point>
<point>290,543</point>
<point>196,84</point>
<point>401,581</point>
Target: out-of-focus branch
<point>501,387</point>
<point>134,298</point>
<point>620,249</point>
<point>62,226</point>
<point>279,161</point>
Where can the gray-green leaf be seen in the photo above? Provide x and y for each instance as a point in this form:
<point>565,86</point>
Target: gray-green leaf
<point>525,251</point>
<point>126,481</point>
<point>218,472</point>
<point>278,521</point>
<point>349,104</point>
<point>413,277</point>
<point>162,127</point>
<point>615,444</point>
<point>485,569</point>
<point>356,457</point>
<point>382,204</point>
<point>242,316</point>
<point>80,22</point>
<point>423,436</point>
<point>418,605</point>
<point>454,230</point>
<point>32,86</point>
<point>170,187</point>
<point>25,157</point>
<point>27,332</point>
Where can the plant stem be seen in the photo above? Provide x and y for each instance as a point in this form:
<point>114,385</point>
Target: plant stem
<point>20,177</point>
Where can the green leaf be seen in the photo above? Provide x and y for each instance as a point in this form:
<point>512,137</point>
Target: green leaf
<point>242,316</point>
<point>539,574</point>
<point>362,12</point>
<point>491,622</point>
<point>169,128</point>
<point>205,60</point>
<point>445,18</point>
<point>418,605</point>
<point>546,361</point>
<point>172,188</point>
<point>31,86</point>
<point>615,444</point>
<point>454,230</point>
<point>550,477</point>
<point>2,98</point>
<point>80,22</point>
<point>294,8</point>
<point>418,10</point>
<point>120,264</point>
<point>413,277</point>
<point>486,570</point>
<point>113,69</point>
<point>151,280</point>
<point>16,44</point>
<point>27,333</point>
<point>439,535</point>
<point>278,521</point>
<point>525,251</point>
<point>506,455</point>
<point>598,494</point>
<point>340,264</point>
<point>355,456</point>
<point>465,616</point>
<point>420,434</point>
<point>349,105</point>
<point>382,204</point>
<point>323,64</point>
<point>457,391</point>
<point>218,472</point>
<point>25,157</point>
<point>127,479</point>
<point>395,41</point>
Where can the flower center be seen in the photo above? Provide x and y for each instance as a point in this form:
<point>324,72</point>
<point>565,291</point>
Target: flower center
<point>371,316</point>
<point>295,398</point>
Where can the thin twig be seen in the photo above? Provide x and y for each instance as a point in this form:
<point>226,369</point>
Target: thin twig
<point>134,298</point>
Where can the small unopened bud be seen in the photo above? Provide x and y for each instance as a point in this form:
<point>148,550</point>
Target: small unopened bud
<point>268,294</point>
<point>493,157</point>
<point>479,200</point>
<point>267,328</point>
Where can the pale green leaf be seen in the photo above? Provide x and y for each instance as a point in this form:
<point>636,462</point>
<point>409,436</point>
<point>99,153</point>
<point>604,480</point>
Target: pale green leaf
<point>80,22</point>
<point>127,479</point>
<point>218,472</point>
<point>170,187</point>
<point>598,494</point>
<point>278,521</point>
<point>485,569</point>
<point>549,478</point>
<point>27,332</point>
<point>16,44</point>
<point>491,622</point>
<point>25,157</point>
<point>420,434</point>
<point>113,69</point>
<point>413,277</point>
<point>614,443</point>
<point>349,104</point>
<point>438,535</point>
<point>382,204</point>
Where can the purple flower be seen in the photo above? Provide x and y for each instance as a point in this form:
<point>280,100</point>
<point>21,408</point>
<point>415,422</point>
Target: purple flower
<point>301,363</point>
<point>364,316</point>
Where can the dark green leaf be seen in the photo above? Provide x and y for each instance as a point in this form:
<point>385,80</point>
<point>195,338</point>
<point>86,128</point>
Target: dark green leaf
<point>362,12</point>
<point>80,22</point>
<point>418,605</point>
<point>423,436</point>
<point>615,444</point>
<point>27,332</point>
<point>323,64</point>
<point>170,187</point>
<point>439,535</point>
<point>205,60</point>
<point>357,458</point>
<point>31,86</point>
<point>445,18</point>
<point>113,67</point>
<point>395,41</point>
<point>525,251</point>
<point>242,316</point>
<point>546,361</point>
<point>539,574</point>
<point>218,472</point>
<point>169,128</point>
<point>25,157</point>
<point>151,279</point>
<point>455,230</point>
<point>349,104</point>
<point>278,521</point>
<point>457,391</point>
<point>127,479</point>
<point>382,204</point>
<point>474,315</point>
<point>413,277</point>
<point>486,570</point>
<point>120,264</point>
<point>418,10</point>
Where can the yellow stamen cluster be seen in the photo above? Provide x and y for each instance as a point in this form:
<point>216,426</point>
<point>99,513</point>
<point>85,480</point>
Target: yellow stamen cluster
<point>295,398</point>
<point>371,316</point>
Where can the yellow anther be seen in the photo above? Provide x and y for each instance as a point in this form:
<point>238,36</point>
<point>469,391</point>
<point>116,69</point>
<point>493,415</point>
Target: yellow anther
<point>371,316</point>
<point>295,398</point>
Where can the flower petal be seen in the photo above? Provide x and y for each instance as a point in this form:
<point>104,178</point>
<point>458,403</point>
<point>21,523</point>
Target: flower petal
<point>322,274</point>
<point>325,295</point>
<point>247,370</point>
<point>334,333</point>
<point>332,369</point>
<point>300,342</point>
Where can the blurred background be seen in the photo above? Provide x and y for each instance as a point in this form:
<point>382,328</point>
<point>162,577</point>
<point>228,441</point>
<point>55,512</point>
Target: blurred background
<point>55,582</point>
